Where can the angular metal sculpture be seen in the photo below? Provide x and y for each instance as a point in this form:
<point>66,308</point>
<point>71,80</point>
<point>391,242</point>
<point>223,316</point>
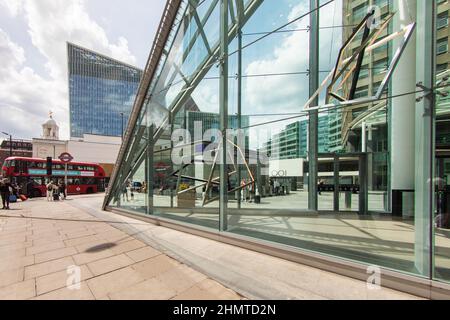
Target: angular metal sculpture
<point>349,68</point>
<point>215,181</point>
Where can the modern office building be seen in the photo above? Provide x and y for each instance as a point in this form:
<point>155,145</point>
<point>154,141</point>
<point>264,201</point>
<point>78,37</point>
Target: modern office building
<point>387,205</point>
<point>101,92</point>
<point>210,120</point>
<point>292,142</point>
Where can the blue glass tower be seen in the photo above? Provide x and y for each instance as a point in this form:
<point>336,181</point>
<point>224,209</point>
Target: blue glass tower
<point>101,93</point>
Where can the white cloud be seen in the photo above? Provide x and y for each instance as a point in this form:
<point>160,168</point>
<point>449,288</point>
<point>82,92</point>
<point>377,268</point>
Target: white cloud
<point>53,22</point>
<point>25,97</point>
<point>287,94</point>
<point>12,6</point>
<point>50,24</point>
<point>282,93</point>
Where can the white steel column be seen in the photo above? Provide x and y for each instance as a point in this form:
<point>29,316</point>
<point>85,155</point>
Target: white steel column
<point>402,115</point>
<point>424,157</point>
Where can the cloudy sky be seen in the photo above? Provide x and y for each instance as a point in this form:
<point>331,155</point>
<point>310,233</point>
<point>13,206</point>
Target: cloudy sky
<point>33,36</point>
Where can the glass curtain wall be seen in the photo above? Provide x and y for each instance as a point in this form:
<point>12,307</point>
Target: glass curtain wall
<point>373,156</point>
<point>101,92</point>
<point>442,145</point>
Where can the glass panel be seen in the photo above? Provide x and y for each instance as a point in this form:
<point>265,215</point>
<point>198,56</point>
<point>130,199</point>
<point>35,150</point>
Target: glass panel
<point>442,149</point>
<point>364,227</point>
<point>373,194</point>
<point>102,92</point>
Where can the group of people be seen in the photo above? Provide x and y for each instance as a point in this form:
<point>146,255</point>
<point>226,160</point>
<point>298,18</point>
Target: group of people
<point>56,190</point>
<point>130,187</point>
<point>7,190</point>
<point>248,190</point>
<point>277,188</point>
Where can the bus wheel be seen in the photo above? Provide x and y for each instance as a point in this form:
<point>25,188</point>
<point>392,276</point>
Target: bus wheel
<point>90,191</point>
<point>36,194</point>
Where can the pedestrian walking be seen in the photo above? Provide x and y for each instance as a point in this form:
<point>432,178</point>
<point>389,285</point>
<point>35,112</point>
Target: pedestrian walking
<point>125,193</point>
<point>243,190</point>
<point>50,191</point>
<point>5,191</point>
<point>63,189</point>
<point>55,192</point>
<point>320,186</point>
<point>29,188</point>
<point>131,188</point>
<point>251,191</point>
<point>276,185</point>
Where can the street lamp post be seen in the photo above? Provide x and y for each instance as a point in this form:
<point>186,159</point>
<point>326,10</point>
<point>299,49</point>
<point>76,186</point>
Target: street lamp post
<point>10,143</point>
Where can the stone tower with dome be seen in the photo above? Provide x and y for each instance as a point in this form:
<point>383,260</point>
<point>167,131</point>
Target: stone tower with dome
<point>49,145</point>
<point>50,129</point>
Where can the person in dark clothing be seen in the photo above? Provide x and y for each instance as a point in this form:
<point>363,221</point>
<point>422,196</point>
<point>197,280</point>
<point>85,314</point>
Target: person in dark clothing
<point>5,191</point>
<point>63,189</point>
<point>320,186</point>
<point>29,188</point>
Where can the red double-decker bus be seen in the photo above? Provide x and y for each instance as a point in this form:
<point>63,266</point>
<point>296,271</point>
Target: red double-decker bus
<point>30,174</point>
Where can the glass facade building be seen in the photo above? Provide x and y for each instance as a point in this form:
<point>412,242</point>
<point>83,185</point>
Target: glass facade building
<point>100,91</point>
<point>355,95</point>
<point>292,142</point>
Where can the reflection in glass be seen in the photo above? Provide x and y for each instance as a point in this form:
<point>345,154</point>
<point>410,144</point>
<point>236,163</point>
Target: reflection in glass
<point>371,193</point>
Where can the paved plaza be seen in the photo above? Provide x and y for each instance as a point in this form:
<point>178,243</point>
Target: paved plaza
<point>40,242</point>
<point>122,258</point>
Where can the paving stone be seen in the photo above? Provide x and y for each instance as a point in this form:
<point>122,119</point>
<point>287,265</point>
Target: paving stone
<point>114,281</point>
<point>59,280</point>
<point>142,254</point>
<point>45,247</point>
<point>11,262</point>
<point>54,254</point>
<point>87,257</point>
<point>110,264</point>
<point>181,277</point>
<point>80,241</point>
<point>152,289</point>
<point>68,294</point>
<point>44,241</point>
<point>9,277</point>
<point>154,266</point>
<point>48,267</point>
<point>19,291</point>
<point>127,246</point>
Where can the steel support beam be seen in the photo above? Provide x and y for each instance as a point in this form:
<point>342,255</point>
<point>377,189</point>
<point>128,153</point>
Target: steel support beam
<point>200,24</point>
<point>363,191</point>
<point>165,25</point>
<point>424,139</point>
<point>336,183</point>
<point>223,101</point>
<point>205,66</point>
<point>240,15</point>
<point>150,170</point>
<point>313,139</point>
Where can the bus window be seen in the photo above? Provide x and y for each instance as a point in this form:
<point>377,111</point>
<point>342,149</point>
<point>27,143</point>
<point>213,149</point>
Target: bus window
<point>89,181</point>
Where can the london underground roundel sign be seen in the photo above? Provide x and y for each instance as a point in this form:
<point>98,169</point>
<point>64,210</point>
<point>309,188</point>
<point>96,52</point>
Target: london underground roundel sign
<point>65,157</point>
